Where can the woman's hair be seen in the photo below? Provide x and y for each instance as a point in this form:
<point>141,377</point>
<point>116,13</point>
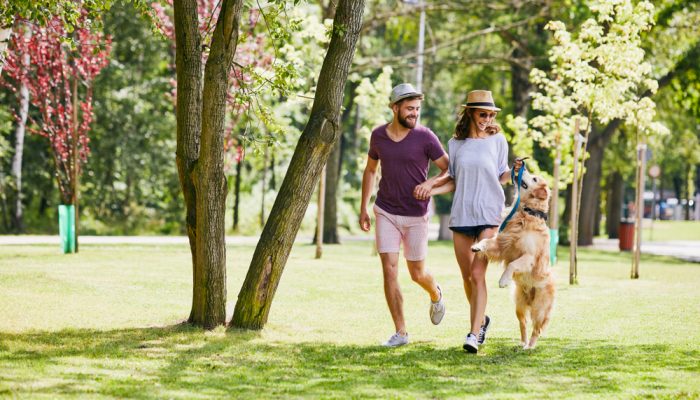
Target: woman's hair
<point>465,119</point>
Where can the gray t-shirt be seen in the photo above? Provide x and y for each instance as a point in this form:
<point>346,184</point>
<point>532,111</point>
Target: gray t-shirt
<point>475,166</point>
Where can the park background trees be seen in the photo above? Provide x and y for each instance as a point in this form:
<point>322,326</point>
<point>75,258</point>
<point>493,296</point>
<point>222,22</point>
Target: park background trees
<point>130,184</point>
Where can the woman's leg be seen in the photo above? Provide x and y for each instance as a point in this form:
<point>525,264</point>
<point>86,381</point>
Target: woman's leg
<point>465,258</point>
<point>478,280</point>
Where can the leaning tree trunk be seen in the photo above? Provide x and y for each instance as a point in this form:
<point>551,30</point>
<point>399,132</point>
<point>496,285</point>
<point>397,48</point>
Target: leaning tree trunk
<point>201,106</point>
<point>311,154</point>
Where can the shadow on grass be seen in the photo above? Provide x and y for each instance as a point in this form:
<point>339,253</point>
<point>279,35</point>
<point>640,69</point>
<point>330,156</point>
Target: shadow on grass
<point>181,362</point>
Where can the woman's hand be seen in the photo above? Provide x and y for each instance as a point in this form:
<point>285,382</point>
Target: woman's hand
<point>519,163</point>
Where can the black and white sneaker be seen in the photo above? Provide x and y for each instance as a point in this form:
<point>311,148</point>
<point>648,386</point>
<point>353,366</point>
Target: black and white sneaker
<point>471,343</point>
<point>484,329</point>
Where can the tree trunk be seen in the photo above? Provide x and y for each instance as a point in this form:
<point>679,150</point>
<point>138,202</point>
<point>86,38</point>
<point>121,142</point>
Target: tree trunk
<point>17,217</point>
<point>263,187</point>
<point>237,194</point>
<point>687,191</point>
<point>333,174</point>
<point>590,193</point>
<point>565,218</point>
<point>614,202</point>
<point>188,65</point>
<point>311,154</point>
<point>201,107</point>
<point>5,35</point>
<point>330,210</point>
<point>590,196</point>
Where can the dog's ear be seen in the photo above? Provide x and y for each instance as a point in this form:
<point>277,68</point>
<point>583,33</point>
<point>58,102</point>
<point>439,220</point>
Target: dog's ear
<point>541,193</point>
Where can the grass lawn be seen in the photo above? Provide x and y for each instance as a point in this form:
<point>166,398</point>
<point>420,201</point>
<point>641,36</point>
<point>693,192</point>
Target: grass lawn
<point>107,323</point>
<point>664,231</point>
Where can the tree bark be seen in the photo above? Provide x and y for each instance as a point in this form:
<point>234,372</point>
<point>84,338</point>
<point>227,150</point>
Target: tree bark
<point>17,215</point>
<point>614,202</point>
<point>564,238</point>
<point>311,154</point>
<point>237,193</point>
<point>201,106</point>
<point>333,175</point>
<point>590,194</point>
<point>188,64</point>
<point>330,210</point>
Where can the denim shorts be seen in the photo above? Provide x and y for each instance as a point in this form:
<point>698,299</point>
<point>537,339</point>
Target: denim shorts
<point>472,231</point>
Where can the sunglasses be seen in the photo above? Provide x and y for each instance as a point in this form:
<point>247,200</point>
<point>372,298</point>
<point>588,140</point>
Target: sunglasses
<point>484,115</point>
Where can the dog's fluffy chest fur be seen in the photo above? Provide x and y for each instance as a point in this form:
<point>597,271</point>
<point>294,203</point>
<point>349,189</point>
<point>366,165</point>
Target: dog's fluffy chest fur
<point>524,234</point>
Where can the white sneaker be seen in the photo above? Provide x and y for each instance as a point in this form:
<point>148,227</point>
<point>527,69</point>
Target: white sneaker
<point>396,340</point>
<point>471,343</point>
<point>437,309</point>
<point>484,328</point>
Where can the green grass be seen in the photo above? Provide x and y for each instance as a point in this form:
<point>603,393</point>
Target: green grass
<point>107,323</point>
<point>664,231</point>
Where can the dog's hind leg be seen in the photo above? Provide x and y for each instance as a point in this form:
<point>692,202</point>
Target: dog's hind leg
<point>541,311</point>
<point>522,264</point>
<point>521,313</point>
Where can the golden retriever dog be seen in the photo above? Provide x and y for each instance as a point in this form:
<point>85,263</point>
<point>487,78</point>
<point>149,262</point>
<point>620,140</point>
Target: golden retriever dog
<point>523,247</point>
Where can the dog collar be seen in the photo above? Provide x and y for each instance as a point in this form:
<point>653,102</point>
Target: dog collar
<point>536,213</point>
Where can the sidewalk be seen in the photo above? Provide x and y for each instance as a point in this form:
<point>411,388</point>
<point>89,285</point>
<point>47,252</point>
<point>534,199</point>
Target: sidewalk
<point>688,250</point>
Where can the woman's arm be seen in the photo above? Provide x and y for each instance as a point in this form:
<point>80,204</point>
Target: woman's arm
<point>447,187</point>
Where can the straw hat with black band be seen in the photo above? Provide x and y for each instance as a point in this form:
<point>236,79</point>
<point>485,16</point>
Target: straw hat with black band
<point>481,99</point>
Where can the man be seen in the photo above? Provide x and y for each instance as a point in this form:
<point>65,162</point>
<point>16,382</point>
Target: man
<point>405,149</point>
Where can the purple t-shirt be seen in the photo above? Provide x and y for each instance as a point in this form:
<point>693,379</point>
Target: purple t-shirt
<point>404,165</point>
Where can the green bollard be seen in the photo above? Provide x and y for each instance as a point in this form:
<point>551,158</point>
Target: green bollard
<point>553,242</point>
<point>66,227</point>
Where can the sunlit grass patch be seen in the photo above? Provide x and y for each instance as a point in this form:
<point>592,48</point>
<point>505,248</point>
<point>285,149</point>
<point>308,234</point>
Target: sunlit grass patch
<point>107,323</point>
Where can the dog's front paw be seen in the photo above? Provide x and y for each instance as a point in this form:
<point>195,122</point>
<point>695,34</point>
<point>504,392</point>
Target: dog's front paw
<point>504,281</point>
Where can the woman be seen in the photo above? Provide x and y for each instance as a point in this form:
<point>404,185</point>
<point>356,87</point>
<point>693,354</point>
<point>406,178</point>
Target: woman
<point>478,155</point>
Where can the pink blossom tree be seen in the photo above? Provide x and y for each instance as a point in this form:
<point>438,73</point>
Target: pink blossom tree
<point>59,78</point>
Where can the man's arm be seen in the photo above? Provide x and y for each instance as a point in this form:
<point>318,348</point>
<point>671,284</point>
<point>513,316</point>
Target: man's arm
<point>367,187</point>
<point>422,191</point>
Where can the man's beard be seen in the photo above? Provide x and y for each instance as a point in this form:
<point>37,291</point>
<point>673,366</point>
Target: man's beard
<point>406,123</point>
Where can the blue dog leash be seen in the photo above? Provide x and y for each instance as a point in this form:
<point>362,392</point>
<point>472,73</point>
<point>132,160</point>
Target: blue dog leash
<point>517,201</point>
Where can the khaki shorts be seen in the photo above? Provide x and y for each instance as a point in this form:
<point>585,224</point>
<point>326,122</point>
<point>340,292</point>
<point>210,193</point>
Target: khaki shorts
<point>390,230</point>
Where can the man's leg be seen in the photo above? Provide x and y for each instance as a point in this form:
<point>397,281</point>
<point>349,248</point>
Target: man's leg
<point>392,290</point>
<point>424,278</point>
<point>414,234</point>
